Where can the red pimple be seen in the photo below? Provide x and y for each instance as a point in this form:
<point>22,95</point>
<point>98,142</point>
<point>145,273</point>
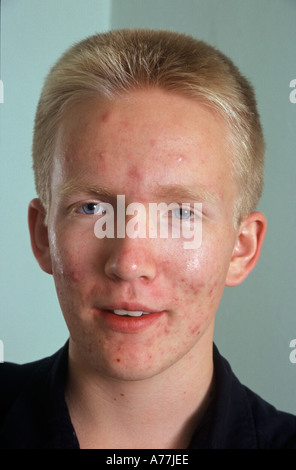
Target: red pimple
<point>105,117</point>
<point>195,330</point>
<point>134,174</point>
<point>118,360</point>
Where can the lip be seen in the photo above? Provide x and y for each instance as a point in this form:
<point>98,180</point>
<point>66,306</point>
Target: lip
<point>127,324</point>
<point>131,306</point>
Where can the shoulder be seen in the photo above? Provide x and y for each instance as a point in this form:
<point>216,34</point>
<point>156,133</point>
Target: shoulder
<point>14,378</point>
<point>244,420</point>
<point>274,429</point>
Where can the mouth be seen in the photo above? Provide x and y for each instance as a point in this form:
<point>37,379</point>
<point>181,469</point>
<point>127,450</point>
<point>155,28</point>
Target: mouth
<point>128,318</point>
<point>129,313</point>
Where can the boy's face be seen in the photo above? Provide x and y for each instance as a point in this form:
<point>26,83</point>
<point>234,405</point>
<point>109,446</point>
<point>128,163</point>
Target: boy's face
<point>149,146</point>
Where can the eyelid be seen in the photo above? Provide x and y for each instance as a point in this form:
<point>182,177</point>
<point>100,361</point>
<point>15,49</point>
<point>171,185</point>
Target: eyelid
<point>78,207</point>
<point>195,210</point>
<point>191,213</point>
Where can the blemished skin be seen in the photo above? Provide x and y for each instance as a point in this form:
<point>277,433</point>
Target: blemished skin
<point>151,146</point>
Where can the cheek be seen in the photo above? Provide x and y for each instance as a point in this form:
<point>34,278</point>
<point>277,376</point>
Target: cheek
<point>67,266</point>
<point>197,273</point>
<point>72,260</point>
<point>197,283</point>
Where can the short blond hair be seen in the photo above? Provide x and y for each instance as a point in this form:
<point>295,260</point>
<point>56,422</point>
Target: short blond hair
<point>109,64</point>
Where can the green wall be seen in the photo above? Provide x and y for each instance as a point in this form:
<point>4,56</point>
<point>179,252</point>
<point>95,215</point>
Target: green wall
<point>34,33</point>
<point>257,320</point>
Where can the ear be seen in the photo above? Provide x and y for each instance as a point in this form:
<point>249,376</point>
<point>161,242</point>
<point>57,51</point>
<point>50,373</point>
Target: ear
<point>247,248</point>
<point>39,235</point>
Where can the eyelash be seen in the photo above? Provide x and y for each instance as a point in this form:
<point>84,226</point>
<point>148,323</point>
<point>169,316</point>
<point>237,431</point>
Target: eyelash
<point>191,213</point>
<point>82,210</point>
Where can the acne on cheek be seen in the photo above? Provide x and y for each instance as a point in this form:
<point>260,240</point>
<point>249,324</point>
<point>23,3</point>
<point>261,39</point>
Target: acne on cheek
<point>76,279</point>
<point>190,287</point>
<point>73,275</point>
<point>195,330</point>
<point>69,264</point>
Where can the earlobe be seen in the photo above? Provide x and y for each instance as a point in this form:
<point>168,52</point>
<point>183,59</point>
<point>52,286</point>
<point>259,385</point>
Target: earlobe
<point>39,235</point>
<point>247,248</point>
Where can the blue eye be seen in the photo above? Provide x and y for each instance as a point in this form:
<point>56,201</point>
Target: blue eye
<point>91,208</point>
<point>183,214</point>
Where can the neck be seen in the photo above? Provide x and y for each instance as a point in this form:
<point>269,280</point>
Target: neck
<point>158,412</point>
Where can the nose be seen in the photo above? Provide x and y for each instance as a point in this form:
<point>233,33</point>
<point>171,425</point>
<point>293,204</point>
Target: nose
<point>130,259</point>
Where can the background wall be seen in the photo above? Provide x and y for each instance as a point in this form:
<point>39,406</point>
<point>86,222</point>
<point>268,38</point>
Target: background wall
<point>256,321</point>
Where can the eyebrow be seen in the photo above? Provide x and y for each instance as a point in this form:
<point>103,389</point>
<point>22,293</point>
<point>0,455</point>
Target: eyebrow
<point>181,192</point>
<point>72,187</point>
<point>174,192</point>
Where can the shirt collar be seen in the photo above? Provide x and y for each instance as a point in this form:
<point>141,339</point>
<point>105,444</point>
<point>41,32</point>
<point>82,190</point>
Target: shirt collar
<point>45,421</point>
<point>228,422</point>
<point>39,417</point>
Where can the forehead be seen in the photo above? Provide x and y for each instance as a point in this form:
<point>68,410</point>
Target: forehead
<point>148,136</point>
<point>156,110</point>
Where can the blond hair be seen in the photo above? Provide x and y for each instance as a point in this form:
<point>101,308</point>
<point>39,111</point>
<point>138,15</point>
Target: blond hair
<point>112,63</point>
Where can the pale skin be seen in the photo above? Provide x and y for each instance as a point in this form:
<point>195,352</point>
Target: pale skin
<point>145,382</point>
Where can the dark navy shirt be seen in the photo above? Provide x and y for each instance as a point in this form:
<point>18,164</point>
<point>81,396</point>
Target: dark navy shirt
<point>34,414</point>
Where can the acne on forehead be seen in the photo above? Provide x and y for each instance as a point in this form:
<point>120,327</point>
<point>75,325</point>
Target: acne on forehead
<point>135,174</point>
<point>102,111</point>
<point>172,145</point>
<point>105,117</point>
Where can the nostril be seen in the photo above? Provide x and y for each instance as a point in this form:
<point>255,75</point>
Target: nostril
<point>128,263</point>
